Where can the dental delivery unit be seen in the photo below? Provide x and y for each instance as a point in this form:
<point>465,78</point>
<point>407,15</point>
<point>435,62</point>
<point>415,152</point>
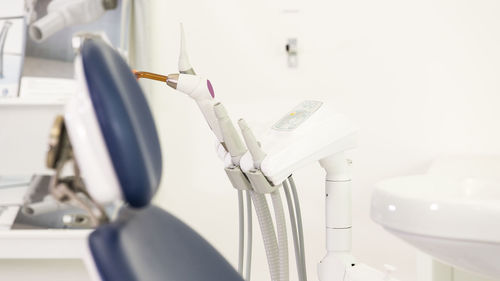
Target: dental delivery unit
<point>107,164</point>
<point>310,132</point>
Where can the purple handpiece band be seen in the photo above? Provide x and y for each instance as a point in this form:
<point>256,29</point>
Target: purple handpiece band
<point>210,89</point>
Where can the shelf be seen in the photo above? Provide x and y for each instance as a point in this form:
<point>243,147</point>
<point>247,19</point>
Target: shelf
<point>33,101</point>
<point>44,244</point>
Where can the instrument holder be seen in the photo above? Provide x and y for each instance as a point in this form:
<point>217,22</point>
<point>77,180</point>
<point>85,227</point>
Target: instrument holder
<point>260,183</point>
<point>252,180</point>
<point>238,178</point>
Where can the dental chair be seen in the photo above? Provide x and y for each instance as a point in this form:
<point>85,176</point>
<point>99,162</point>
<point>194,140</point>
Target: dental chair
<point>114,146</point>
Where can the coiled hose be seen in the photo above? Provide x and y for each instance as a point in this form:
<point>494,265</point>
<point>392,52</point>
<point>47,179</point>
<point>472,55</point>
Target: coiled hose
<point>268,233</point>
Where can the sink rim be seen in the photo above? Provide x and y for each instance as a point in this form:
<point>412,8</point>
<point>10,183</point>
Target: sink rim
<point>413,205</point>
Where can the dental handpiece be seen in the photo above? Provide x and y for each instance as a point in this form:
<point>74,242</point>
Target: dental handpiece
<point>198,88</point>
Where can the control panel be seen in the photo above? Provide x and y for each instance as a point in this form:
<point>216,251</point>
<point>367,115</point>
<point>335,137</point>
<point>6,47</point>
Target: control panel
<point>297,116</point>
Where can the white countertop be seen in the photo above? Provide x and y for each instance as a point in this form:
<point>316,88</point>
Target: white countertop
<point>44,243</point>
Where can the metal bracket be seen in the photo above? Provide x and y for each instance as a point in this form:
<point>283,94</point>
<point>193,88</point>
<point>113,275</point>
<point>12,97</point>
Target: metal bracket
<point>252,180</point>
<point>238,178</point>
<point>260,183</point>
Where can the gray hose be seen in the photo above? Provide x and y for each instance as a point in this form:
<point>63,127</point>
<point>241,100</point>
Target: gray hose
<point>241,232</point>
<point>249,236</point>
<point>282,235</point>
<point>296,245</point>
<point>268,233</point>
<point>299,225</point>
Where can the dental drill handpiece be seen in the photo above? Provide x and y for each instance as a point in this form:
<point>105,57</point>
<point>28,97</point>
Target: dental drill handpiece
<point>196,87</point>
<point>202,92</point>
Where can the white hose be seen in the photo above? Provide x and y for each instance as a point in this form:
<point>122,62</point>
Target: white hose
<point>282,235</point>
<point>268,233</point>
<point>300,228</point>
<point>296,244</point>
<point>249,237</point>
<point>241,232</point>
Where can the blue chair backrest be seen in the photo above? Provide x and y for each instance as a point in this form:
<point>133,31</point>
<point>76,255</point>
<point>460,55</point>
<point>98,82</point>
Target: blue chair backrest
<point>125,120</point>
<point>145,243</point>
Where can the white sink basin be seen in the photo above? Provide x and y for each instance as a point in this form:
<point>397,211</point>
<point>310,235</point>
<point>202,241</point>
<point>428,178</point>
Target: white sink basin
<point>451,213</point>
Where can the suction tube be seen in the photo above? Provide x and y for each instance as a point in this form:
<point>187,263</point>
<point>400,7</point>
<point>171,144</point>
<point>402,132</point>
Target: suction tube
<point>64,13</point>
<point>46,26</point>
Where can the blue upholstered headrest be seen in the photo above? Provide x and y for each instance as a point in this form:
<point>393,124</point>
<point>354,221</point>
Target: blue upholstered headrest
<point>125,121</point>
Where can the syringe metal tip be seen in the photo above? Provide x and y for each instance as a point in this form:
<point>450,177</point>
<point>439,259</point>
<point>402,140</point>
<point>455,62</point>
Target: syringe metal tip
<point>172,80</point>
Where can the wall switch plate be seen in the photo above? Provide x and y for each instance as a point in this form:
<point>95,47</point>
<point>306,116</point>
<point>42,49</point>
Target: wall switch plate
<point>292,51</point>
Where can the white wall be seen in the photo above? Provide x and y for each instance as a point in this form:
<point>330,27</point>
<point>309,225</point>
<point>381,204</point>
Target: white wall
<point>419,77</point>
